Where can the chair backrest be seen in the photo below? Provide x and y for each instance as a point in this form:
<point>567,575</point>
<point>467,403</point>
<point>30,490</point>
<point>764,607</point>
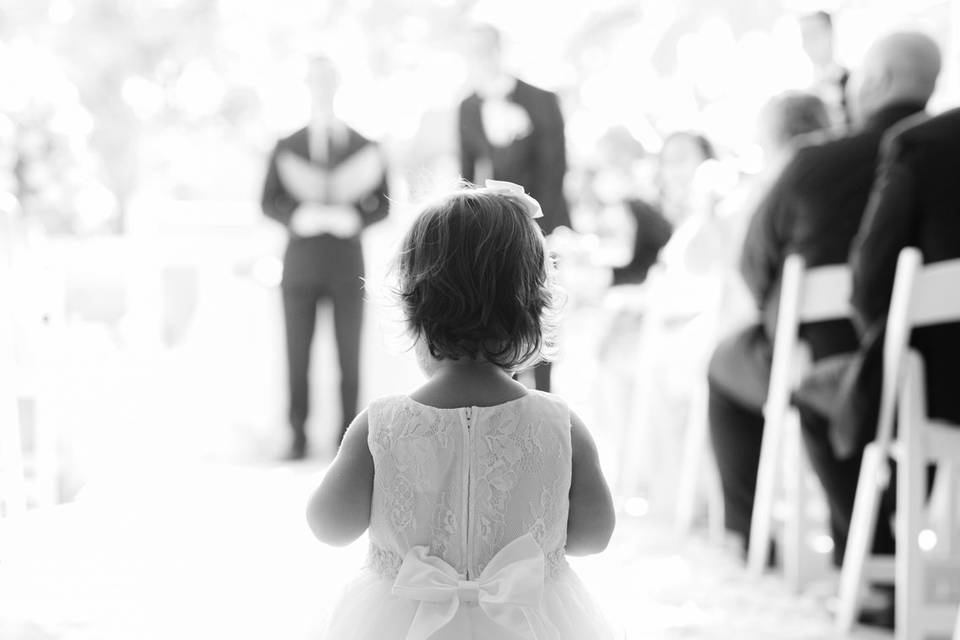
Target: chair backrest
<point>806,295</point>
<point>922,296</point>
<point>825,294</point>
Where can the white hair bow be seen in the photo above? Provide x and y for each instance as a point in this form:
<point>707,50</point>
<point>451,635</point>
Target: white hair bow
<point>511,189</point>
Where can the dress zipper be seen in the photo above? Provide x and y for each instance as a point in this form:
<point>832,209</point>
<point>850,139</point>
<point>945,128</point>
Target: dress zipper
<point>466,501</point>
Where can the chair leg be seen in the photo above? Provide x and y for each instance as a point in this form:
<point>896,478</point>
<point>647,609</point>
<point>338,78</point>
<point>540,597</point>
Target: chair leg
<point>863,523</point>
<point>630,473</point>
<point>953,513</point>
<point>12,490</point>
<point>45,454</point>
<point>795,528</point>
<point>13,499</point>
<point>715,513</point>
<point>909,562</point>
<point>693,462</point>
<point>956,628</point>
<point>630,476</point>
<point>942,508</point>
<point>761,522</point>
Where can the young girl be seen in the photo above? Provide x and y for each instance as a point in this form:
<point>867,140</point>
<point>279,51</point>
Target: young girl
<point>474,488</point>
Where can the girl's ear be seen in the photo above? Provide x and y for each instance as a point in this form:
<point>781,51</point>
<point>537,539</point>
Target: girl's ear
<point>883,83</point>
<point>428,364</point>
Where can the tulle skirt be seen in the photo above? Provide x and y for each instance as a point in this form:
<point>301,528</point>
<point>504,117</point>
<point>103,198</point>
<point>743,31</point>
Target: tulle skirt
<point>367,610</point>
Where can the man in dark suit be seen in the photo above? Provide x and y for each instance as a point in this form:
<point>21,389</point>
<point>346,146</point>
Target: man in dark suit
<point>915,202</point>
<point>813,209</point>
<point>829,77</point>
<point>511,130</point>
<point>325,183</point>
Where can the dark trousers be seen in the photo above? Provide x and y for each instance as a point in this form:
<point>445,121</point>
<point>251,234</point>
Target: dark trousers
<point>736,432</point>
<point>300,316</point>
<point>541,376</point>
<point>839,479</point>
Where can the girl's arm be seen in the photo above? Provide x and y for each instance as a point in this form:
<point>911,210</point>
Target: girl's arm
<point>339,510</point>
<point>592,518</point>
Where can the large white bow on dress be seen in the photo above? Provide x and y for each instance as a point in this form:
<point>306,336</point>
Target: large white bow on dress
<point>508,590</point>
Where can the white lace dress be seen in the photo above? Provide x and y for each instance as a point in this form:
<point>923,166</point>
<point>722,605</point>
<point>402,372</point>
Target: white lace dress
<point>468,527</point>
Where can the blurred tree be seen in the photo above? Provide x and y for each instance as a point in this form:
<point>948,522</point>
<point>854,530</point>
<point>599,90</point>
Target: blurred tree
<point>183,98</point>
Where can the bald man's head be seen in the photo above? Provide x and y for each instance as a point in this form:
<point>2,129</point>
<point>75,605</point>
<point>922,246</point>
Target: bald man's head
<point>899,68</point>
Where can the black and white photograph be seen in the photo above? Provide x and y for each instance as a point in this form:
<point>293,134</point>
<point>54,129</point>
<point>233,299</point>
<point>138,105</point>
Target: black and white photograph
<point>480,320</point>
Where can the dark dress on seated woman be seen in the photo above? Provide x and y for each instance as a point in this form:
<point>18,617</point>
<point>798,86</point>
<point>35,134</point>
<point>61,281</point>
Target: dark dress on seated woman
<point>653,233</point>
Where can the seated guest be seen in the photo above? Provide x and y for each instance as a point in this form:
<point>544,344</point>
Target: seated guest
<point>813,209</point>
<point>651,233</point>
<point>681,156</point>
<point>646,455</point>
<point>915,202</point>
<point>786,122</point>
<point>683,152</point>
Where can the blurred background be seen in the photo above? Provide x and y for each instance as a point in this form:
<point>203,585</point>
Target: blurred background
<point>142,347</point>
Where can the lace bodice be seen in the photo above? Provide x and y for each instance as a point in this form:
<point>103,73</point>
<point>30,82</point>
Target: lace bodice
<point>468,481</point>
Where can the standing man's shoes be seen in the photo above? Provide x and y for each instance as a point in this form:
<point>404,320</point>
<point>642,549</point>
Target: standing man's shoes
<point>881,617</point>
<point>298,449</point>
<point>879,612</point>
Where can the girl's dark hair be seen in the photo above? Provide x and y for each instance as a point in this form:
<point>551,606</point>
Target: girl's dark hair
<point>475,280</point>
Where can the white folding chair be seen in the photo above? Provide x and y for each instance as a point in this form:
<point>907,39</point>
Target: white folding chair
<point>807,295</point>
<point>698,470</point>
<point>645,383</point>
<point>13,498</point>
<point>29,475</point>
<point>922,296</point>
<point>12,488</point>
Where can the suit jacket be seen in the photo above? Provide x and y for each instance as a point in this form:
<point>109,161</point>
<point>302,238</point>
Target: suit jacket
<point>537,161</point>
<point>310,259</point>
<point>915,202</point>
<point>813,209</point>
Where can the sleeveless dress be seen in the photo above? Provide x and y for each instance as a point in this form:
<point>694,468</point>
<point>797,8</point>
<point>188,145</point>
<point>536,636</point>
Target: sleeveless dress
<point>468,526</point>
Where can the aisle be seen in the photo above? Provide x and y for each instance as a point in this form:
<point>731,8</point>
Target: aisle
<point>222,551</point>
<point>184,528</point>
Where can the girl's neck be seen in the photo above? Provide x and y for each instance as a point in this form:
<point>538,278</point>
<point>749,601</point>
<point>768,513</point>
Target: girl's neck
<point>462,383</point>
